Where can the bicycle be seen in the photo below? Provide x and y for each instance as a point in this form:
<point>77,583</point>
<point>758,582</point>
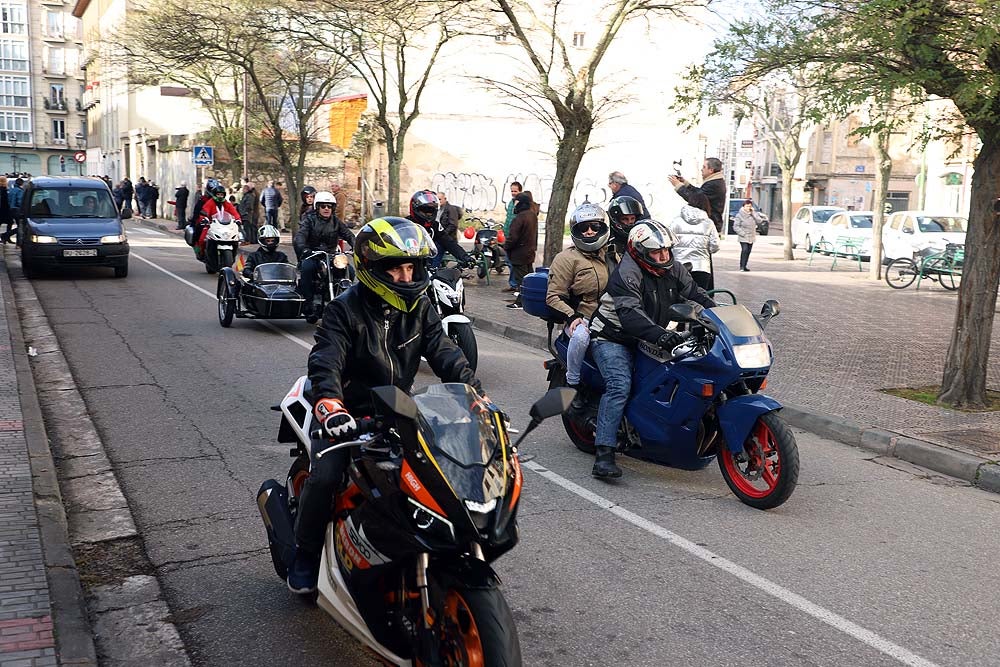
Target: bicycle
<point>943,267</point>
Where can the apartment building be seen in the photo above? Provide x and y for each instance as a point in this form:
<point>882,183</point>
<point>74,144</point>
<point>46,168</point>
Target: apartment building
<point>42,124</point>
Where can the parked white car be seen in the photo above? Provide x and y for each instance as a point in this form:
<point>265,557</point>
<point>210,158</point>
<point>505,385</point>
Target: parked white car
<point>855,225</point>
<point>907,233</point>
<point>809,224</point>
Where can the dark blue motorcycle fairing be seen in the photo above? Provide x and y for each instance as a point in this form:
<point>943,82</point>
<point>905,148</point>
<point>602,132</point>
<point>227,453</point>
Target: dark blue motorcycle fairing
<point>738,415</point>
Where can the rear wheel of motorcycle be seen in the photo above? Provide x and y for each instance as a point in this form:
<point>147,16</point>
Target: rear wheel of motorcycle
<point>227,306</point>
<point>465,338</point>
<point>576,424</point>
<point>765,475</point>
<point>478,630</point>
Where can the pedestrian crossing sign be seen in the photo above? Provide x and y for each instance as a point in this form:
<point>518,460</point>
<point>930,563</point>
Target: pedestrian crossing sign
<point>203,156</point>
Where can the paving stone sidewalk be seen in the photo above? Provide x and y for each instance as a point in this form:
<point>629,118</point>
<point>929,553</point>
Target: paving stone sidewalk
<point>26,637</point>
<point>839,340</point>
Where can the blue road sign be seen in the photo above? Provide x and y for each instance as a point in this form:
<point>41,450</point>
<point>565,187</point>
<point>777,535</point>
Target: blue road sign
<point>203,156</point>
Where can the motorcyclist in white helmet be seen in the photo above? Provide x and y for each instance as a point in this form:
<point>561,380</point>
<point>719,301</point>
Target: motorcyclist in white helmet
<point>320,229</point>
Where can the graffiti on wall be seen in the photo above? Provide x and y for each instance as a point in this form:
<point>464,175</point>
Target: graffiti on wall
<point>478,192</point>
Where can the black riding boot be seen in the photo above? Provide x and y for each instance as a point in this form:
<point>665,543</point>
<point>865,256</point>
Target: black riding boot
<point>604,465</point>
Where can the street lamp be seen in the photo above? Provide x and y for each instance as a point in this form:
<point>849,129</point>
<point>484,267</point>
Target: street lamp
<point>81,141</point>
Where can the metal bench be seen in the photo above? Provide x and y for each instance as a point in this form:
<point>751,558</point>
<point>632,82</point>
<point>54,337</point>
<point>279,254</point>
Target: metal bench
<point>843,245</point>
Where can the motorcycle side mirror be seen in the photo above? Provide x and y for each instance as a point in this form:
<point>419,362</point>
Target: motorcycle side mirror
<point>554,402</point>
<point>770,309</point>
<point>396,401</point>
<point>684,312</point>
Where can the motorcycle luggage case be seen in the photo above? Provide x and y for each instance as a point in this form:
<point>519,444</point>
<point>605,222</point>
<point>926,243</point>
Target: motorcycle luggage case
<point>533,289</point>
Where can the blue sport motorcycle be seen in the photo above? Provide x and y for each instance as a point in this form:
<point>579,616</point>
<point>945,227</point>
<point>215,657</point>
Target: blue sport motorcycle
<point>698,402</point>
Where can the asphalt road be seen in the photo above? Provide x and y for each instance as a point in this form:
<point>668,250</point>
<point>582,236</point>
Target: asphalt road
<point>869,563</point>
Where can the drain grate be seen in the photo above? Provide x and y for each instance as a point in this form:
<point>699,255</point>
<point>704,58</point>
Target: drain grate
<point>976,439</point>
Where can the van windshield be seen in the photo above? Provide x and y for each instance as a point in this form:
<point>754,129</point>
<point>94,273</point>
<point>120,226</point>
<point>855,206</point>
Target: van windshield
<point>92,202</point>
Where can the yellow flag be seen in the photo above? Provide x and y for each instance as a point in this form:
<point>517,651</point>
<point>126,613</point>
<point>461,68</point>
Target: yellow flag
<point>240,263</point>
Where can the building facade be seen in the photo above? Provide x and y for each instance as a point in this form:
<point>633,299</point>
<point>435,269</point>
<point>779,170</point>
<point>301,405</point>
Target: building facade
<point>42,124</point>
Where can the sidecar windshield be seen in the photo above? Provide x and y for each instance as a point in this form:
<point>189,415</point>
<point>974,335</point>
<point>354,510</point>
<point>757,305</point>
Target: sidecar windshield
<point>738,320</point>
<point>275,272</point>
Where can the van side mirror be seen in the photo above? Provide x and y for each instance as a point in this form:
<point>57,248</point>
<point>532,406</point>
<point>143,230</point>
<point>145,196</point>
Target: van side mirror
<point>770,309</point>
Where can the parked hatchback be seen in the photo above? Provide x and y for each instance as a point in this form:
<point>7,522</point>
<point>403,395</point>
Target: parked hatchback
<point>809,224</point>
<point>907,233</point>
<point>734,207</point>
<point>853,225</point>
<point>71,222</point>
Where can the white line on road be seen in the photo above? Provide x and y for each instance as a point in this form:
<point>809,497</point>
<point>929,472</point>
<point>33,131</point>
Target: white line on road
<point>863,635</point>
<point>145,230</point>
<point>794,599</point>
<point>298,341</point>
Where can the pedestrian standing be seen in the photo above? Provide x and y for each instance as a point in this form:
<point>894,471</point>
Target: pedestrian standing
<point>271,199</point>
<point>515,190</point>
<point>181,195</point>
<point>248,202</point>
<point>5,216</point>
<point>697,240</point>
<point>745,226</point>
<point>128,190</point>
<point>522,242</point>
<point>118,194</point>
<point>713,186</point>
<point>141,195</point>
<point>341,197</point>
<point>154,199</point>
<point>619,187</point>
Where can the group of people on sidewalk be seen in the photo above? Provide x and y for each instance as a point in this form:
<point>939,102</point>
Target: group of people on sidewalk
<point>146,195</point>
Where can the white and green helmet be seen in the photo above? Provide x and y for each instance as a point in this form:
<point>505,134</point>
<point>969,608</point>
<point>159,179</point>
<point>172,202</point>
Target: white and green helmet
<point>387,242</point>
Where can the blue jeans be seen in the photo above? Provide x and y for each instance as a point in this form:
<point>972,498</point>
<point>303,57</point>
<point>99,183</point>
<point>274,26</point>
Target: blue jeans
<point>615,363</point>
<point>271,215</point>
<point>576,351</point>
<point>510,272</point>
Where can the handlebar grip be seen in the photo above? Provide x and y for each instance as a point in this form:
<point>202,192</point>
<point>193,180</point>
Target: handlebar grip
<point>363,426</point>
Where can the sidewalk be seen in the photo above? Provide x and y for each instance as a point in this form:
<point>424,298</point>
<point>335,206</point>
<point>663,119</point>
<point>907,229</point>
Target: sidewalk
<point>40,598</point>
<point>839,340</point>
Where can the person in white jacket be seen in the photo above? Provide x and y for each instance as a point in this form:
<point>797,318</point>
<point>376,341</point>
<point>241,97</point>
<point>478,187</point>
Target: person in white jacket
<point>697,239</point>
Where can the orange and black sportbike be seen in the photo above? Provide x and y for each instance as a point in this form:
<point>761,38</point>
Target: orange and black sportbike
<point>429,503</point>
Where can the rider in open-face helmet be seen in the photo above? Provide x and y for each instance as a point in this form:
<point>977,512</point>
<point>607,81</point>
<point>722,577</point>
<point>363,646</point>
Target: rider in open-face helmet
<point>373,334</point>
<point>634,308</point>
<point>319,230</point>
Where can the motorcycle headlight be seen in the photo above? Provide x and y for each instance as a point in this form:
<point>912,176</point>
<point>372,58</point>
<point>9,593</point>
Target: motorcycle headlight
<point>482,508</point>
<point>116,238</point>
<point>340,261</point>
<point>754,355</point>
<point>44,239</point>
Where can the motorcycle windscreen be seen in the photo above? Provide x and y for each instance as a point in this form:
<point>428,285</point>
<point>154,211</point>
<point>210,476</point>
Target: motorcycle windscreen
<point>462,435</point>
<point>275,273</point>
<point>740,321</point>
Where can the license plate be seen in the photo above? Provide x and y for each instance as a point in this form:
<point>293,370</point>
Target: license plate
<point>80,253</point>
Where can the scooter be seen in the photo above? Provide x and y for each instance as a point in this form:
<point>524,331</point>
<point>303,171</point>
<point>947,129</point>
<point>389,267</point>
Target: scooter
<point>447,293</point>
<point>219,246</point>
<point>333,278</point>
<point>487,249</point>
<point>430,502</point>
<point>697,402</point>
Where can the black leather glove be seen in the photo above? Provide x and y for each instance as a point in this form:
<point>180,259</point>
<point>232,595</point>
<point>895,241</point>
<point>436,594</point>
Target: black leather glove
<point>669,341</point>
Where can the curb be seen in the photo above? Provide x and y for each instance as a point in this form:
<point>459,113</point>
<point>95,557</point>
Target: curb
<point>72,631</point>
<point>125,629</point>
<point>977,471</point>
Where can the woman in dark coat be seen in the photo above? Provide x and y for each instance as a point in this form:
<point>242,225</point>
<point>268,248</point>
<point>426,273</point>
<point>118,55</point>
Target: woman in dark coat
<point>5,214</point>
<point>522,241</point>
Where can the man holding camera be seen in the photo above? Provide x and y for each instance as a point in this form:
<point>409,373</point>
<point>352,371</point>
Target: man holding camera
<point>713,186</point>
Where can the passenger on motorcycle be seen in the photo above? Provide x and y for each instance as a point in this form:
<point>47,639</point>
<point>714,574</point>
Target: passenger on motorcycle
<point>373,335</point>
<point>307,198</point>
<point>634,308</point>
<point>577,278</point>
<point>211,207</point>
<point>320,229</point>
<point>424,209</point>
<point>624,212</point>
<point>268,238</point>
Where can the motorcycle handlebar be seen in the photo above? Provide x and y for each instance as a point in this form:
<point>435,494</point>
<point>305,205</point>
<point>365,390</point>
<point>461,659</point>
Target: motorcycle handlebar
<point>364,426</point>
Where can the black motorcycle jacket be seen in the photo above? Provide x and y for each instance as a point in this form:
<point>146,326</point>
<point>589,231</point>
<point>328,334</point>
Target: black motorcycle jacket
<point>261,256</point>
<point>363,343</point>
<point>318,234</point>
<point>635,304</point>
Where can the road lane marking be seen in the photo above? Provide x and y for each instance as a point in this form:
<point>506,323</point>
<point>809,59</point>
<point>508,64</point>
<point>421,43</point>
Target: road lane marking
<point>868,637</point>
<point>295,339</point>
<point>143,230</point>
<point>795,600</point>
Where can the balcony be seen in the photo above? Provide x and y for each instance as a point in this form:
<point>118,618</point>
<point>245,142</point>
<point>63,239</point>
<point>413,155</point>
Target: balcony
<point>53,36</point>
<point>90,98</point>
<point>55,105</point>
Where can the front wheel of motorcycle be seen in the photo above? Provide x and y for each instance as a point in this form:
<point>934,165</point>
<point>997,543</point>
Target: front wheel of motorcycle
<point>465,338</point>
<point>765,473</point>
<point>478,628</point>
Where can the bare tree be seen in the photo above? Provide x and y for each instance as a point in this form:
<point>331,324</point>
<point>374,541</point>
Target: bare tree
<point>561,92</point>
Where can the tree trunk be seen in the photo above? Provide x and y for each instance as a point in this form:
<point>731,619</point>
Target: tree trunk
<point>883,170</point>
<point>964,383</point>
<point>569,154</point>
<point>787,176</point>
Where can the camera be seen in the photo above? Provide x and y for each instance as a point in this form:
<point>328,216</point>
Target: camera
<point>677,164</point>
